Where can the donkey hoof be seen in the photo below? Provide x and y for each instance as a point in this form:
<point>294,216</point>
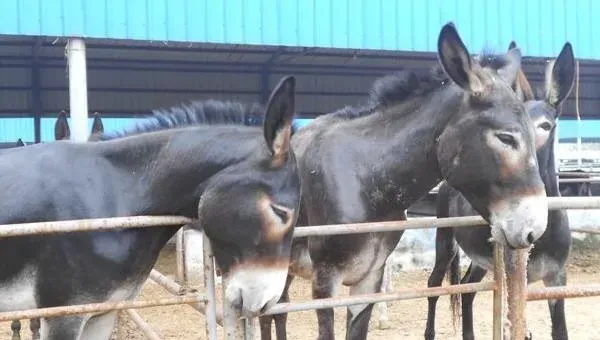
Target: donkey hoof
<point>529,336</point>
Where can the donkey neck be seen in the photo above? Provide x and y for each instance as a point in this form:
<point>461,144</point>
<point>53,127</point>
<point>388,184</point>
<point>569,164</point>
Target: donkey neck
<point>547,167</point>
<point>400,145</point>
<point>168,169</point>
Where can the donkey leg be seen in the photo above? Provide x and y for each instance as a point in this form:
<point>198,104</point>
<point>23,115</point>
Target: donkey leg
<point>281,319</point>
<point>325,282</point>
<point>15,326</point>
<point>99,327</point>
<point>557,307</point>
<point>34,326</point>
<point>265,326</point>
<point>445,251</point>
<point>474,274</point>
<point>62,328</point>
<point>358,316</point>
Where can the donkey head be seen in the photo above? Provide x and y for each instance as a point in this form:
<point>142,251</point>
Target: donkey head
<point>249,209</point>
<point>487,150</point>
<point>560,74</point>
<point>544,113</point>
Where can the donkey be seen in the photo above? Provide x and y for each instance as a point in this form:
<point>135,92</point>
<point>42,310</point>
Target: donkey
<point>61,132</point>
<point>241,182</point>
<point>460,122</point>
<point>549,254</point>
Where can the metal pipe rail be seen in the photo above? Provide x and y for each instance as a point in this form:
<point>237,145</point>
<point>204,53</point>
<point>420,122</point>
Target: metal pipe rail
<point>98,307</point>
<point>579,180</point>
<point>403,294</point>
<point>176,289</point>
<point>142,325</point>
<point>554,203</point>
<point>563,292</point>
<point>36,228</point>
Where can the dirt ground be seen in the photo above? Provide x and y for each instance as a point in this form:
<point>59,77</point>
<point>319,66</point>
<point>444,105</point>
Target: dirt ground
<point>407,318</point>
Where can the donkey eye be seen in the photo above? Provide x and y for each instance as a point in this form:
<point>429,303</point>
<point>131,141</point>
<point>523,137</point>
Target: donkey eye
<point>507,139</point>
<point>281,213</point>
<point>546,126</point>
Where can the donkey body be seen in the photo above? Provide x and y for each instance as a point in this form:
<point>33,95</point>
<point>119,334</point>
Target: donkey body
<point>240,181</point>
<point>365,164</point>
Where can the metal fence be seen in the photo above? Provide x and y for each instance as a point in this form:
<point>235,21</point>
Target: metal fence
<point>244,329</point>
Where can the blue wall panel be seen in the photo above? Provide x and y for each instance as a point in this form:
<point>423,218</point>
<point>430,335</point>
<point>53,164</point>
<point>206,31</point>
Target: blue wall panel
<point>540,26</point>
<point>12,129</point>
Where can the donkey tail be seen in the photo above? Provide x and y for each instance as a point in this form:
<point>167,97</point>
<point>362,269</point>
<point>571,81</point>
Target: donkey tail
<point>454,279</point>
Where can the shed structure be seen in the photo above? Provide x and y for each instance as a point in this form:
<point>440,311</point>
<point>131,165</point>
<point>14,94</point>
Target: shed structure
<point>145,54</point>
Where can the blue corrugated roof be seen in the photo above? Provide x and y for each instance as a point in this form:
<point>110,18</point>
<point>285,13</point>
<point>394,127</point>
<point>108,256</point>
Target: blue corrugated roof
<point>540,27</point>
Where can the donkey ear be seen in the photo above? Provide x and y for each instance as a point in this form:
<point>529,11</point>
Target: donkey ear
<point>522,87</point>
<point>512,66</point>
<point>560,74</point>
<point>61,127</point>
<point>20,142</point>
<point>97,125</point>
<point>456,61</point>
<point>278,118</point>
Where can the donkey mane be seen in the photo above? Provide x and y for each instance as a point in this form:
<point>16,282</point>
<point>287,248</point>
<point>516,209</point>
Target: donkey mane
<point>207,112</point>
<point>402,86</point>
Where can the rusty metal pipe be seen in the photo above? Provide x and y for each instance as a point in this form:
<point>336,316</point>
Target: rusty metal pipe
<point>180,256</point>
<point>98,307</point>
<point>176,289</point>
<point>170,285</point>
<point>404,294</point>
<point>10,230</point>
<point>499,306</point>
<point>22,229</point>
<point>564,292</point>
<point>142,325</point>
<point>515,262</point>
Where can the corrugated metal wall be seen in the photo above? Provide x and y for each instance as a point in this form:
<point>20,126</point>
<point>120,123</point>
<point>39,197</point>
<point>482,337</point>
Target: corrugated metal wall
<point>540,26</point>
<point>128,81</point>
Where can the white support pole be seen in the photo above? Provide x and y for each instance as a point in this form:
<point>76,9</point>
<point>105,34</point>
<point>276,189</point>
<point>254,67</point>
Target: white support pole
<point>78,89</point>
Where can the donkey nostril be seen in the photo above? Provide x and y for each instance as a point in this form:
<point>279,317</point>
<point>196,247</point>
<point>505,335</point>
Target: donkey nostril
<point>530,237</point>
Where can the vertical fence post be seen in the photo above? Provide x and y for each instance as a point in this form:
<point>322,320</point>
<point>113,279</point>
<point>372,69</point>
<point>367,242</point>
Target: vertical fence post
<point>232,324</point>
<point>209,285</point>
<point>180,253</point>
<point>499,297</point>
<point>249,327</point>
<point>78,102</point>
<point>516,284</point>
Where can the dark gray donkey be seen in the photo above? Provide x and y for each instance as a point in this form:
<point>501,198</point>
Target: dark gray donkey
<point>61,132</point>
<point>549,255</point>
<point>459,121</point>
<point>200,160</point>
